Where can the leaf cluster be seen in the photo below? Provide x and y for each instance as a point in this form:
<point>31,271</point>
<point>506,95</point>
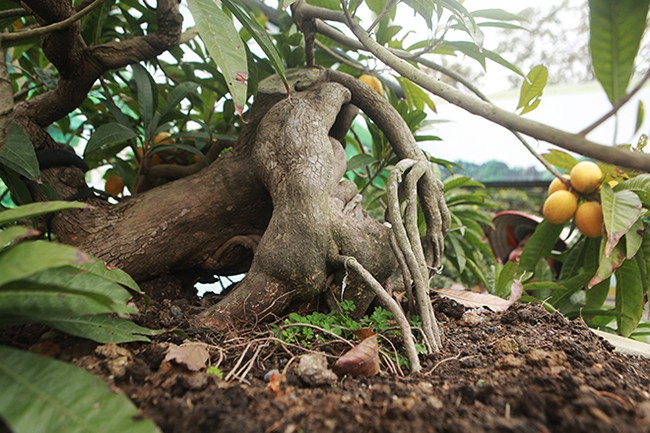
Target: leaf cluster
<point>61,287</point>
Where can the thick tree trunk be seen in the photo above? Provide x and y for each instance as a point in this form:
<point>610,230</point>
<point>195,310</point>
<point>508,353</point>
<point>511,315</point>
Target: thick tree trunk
<point>275,206</point>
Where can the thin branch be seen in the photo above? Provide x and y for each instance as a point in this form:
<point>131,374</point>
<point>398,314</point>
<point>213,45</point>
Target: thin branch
<point>383,13</point>
<point>40,31</point>
<point>624,100</point>
<point>474,105</point>
<point>6,99</point>
<point>16,12</point>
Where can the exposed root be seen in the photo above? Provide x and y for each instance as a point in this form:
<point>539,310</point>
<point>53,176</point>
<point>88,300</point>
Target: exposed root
<point>408,239</point>
<point>391,305</point>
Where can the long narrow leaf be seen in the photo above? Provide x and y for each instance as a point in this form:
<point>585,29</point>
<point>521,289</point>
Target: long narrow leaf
<point>224,45</point>
<point>616,28</point>
<point>629,297</point>
<point>18,153</point>
<point>29,258</point>
<point>107,134</point>
<point>35,209</point>
<point>40,394</point>
<point>147,95</point>
<point>532,89</point>
<point>261,36</point>
<point>621,209</point>
<point>101,328</point>
<point>179,93</point>
<point>15,233</point>
<point>540,244</point>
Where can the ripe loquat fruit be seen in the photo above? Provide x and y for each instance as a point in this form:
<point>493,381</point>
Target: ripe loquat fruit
<point>373,82</point>
<point>586,177</point>
<point>560,206</point>
<point>114,185</point>
<point>557,184</point>
<point>589,219</point>
<point>163,137</point>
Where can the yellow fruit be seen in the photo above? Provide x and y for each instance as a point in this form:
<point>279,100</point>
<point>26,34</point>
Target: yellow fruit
<point>114,185</point>
<point>557,185</point>
<point>560,206</point>
<point>586,176</point>
<point>373,82</point>
<point>163,137</point>
<point>589,219</point>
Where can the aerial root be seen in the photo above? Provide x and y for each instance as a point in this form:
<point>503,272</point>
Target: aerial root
<point>407,239</point>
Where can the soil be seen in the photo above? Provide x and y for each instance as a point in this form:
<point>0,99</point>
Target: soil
<point>524,370</point>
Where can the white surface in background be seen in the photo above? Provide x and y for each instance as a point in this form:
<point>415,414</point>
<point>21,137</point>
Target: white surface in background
<point>571,108</point>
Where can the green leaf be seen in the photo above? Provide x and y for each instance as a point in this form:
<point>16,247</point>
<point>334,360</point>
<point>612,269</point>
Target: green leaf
<point>262,38</point>
<point>597,295</point>
<point>640,185</point>
<point>532,89</point>
<point>458,181</point>
<point>225,47</point>
<point>459,253</point>
<point>497,14</point>
<point>40,394</point>
<point>35,209</point>
<point>640,115</point>
<point>361,160</point>
<point>505,279</point>
<point>621,209</point>
<point>560,159</point>
<point>471,50</point>
<point>16,184</point>
<point>540,244</point>
<point>107,134</point>
<point>29,258</point>
<point>15,233</point>
<point>147,95</point>
<point>73,280</point>
<point>179,93</point>
<point>424,8</point>
<point>18,154</point>
<point>415,96</point>
<point>629,297</point>
<point>607,264</point>
<point>99,268</point>
<point>616,28</point>
<point>102,328</point>
<point>634,239</point>
<point>32,302</point>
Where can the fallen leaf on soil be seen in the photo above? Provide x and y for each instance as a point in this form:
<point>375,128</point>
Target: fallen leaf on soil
<point>474,300</point>
<point>275,383</point>
<point>364,333</point>
<point>361,360</point>
<point>192,355</point>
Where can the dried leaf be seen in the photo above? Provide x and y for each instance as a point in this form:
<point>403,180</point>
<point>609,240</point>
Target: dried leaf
<point>361,360</point>
<point>364,333</point>
<point>192,355</point>
<point>474,300</point>
<point>276,379</point>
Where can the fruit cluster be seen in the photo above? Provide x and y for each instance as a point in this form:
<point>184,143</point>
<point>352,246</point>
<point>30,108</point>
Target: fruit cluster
<point>571,198</point>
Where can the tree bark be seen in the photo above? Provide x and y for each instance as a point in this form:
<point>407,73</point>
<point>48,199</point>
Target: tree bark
<point>275,206</point>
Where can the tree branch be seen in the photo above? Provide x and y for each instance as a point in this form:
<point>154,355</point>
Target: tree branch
<point>568,141</point>
<point>624,100</point>
<point>16,12</point>
<point>40,31</point>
